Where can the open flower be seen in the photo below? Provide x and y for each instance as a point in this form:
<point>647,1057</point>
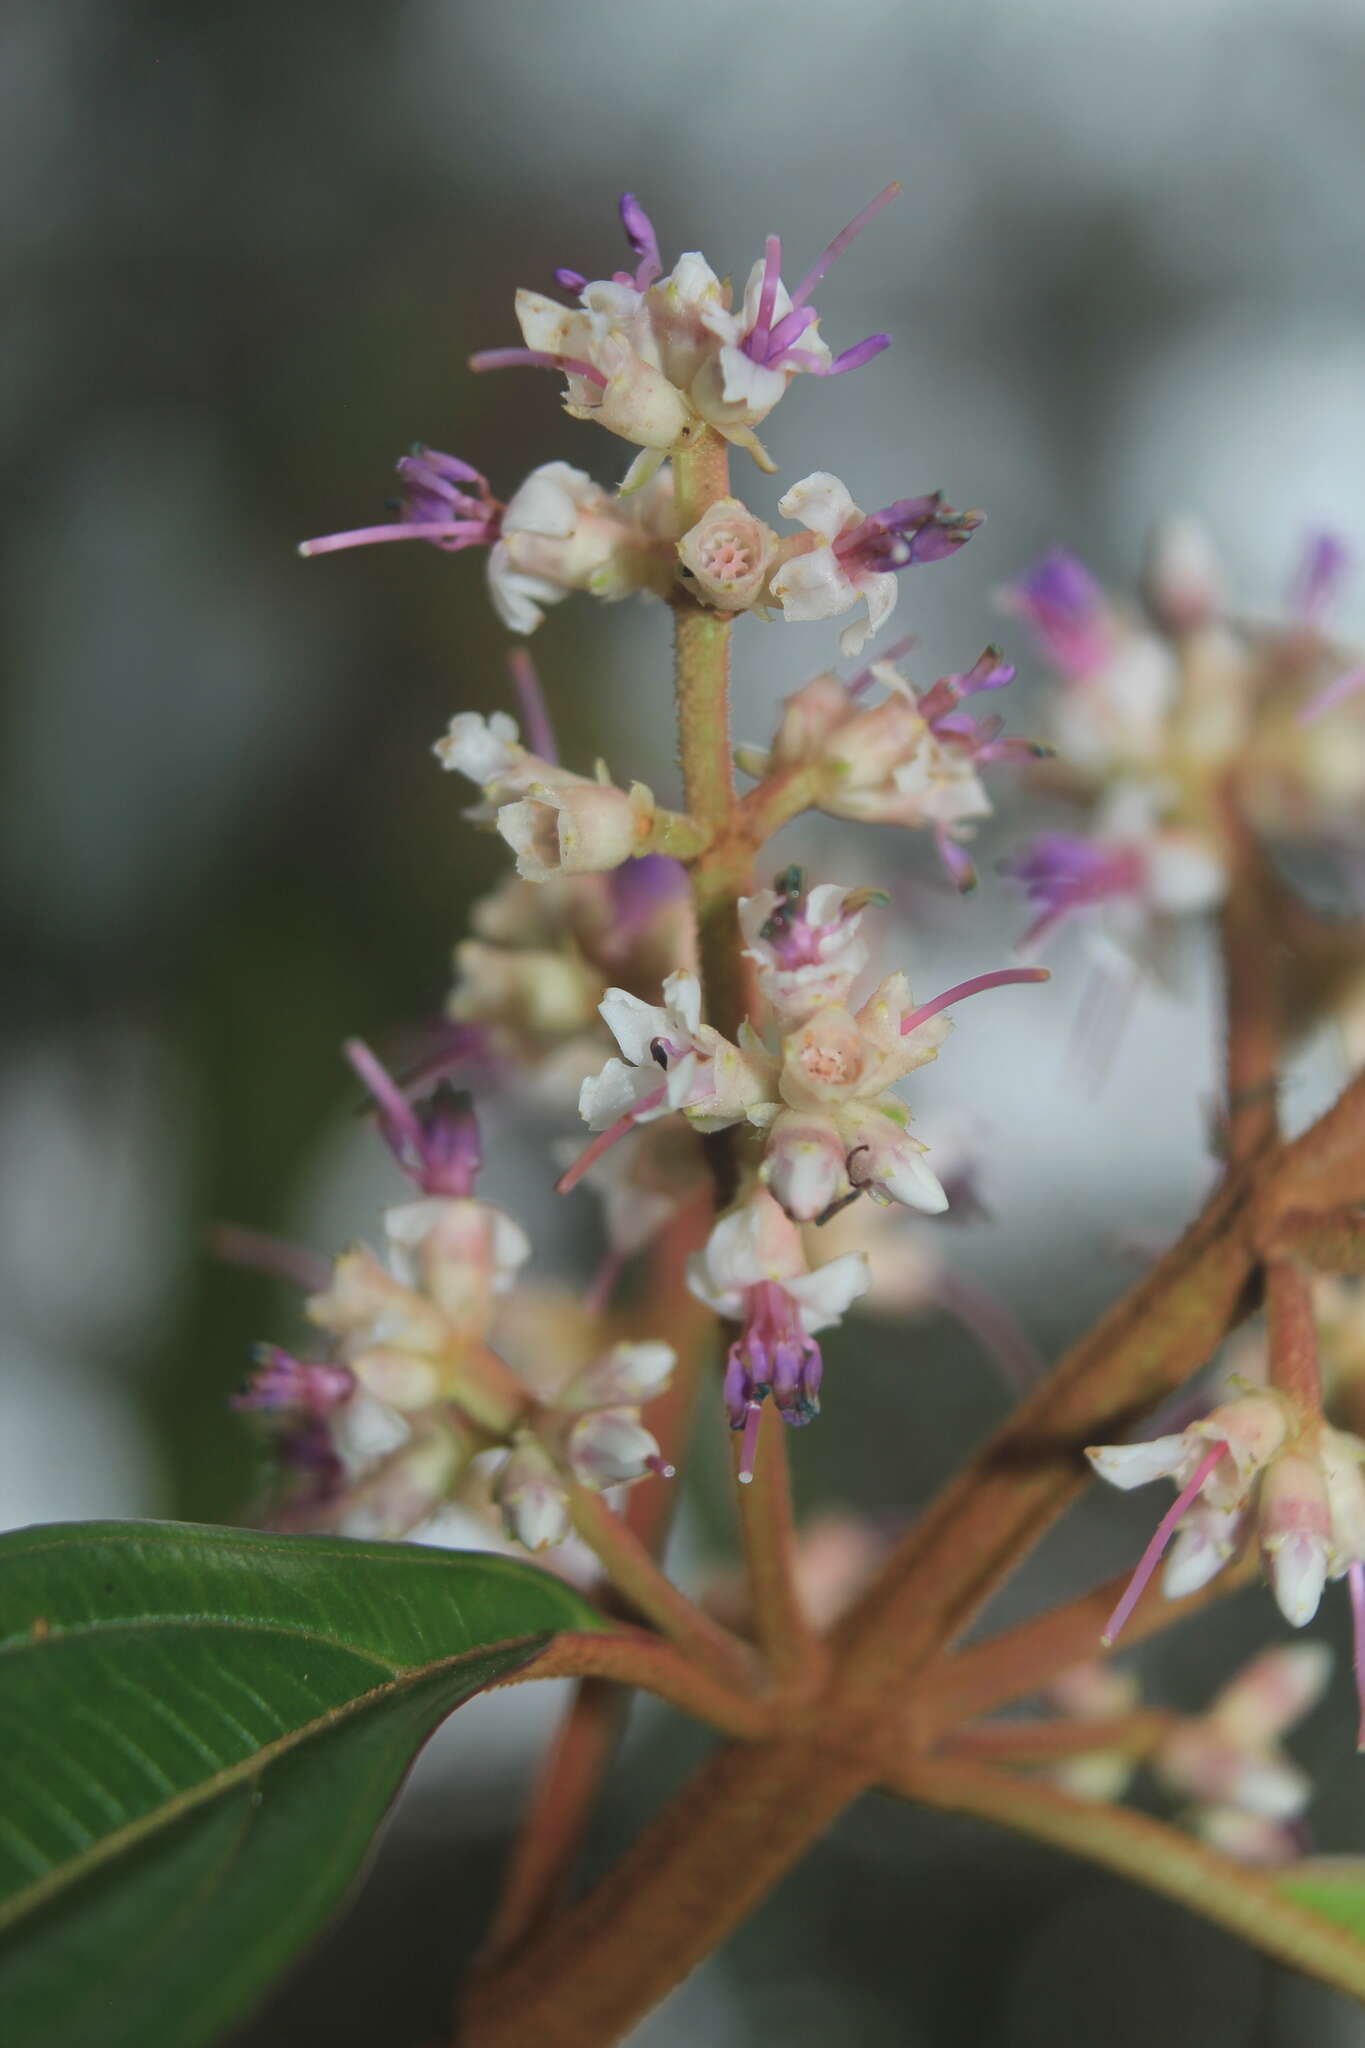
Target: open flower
<point>444,501</point>
<point>854,556</point>
<point>753,1271</point>
<point>562,532</point>
<point>805,943</point>
<point>577,828</point>
<point>671,1061</point>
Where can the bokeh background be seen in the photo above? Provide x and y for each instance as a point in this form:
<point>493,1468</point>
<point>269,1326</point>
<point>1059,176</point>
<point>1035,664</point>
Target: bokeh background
<point>246,253</point>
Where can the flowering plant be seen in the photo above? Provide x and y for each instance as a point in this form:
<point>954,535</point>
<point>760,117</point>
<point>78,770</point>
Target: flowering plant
<point>745,1085</point>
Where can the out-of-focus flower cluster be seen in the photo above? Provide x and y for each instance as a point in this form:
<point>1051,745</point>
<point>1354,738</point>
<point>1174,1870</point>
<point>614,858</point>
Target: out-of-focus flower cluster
<point>1171,724</point>
<point>1235,1786</point>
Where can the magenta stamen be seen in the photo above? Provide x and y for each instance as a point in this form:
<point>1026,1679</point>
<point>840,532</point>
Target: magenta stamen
<point>841,242</point>
<point>531,703</point>
<point>604,1140</point>
<point>772,271</point>
<point>892,654</point>
<point>660,1467</point>
<point>748,1444</point>
<point>1001,978</point>
<point>1165,1529</point>
<point>392,1103</point>
<point>789,329</point>
<point>535,359</point>
<point>860,353</point>
<point>1355,1575</point>
<point>256,1251</point>
<point>468,532</point>
<point>1327,699</point>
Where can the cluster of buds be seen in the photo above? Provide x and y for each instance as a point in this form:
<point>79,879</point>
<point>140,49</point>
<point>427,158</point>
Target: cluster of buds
<point>386,1428</point>
<point>1236,1787</point>
<point>1160,719</point>
<point>911,759</point>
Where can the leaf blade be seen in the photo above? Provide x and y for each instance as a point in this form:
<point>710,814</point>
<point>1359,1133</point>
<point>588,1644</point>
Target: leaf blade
<point>270,1693</point>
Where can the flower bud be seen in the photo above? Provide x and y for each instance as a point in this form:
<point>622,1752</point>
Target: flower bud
<point>610,1447</point>
<point>803,1167</point>
<point>627,1373</point>
<point>726,557</point>
<point>1295,1525</point>
<point>530,1494</point>
<point>579,830</point>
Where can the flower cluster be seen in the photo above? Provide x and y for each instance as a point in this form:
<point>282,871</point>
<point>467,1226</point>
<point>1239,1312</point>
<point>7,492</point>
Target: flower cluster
<point>385,1429</point>
<point>1227,1769</point>
<point>1162,722</point>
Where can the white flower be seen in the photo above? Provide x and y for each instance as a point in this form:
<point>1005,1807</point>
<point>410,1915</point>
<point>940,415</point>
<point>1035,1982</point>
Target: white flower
<point>669,1054</point>
<point>756,1243</point>
<point>821,583</point>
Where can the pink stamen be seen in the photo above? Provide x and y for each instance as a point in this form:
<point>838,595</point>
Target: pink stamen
<point>748,1445</point>
<point>1001,978</point>
<point>256,1251</point>
<point>892,654</point>
<point>1355,1575</point>
<point>531,701</point>
<point>1165,1529</point>
<point>604,1140</point>
<point>1328,699</point>
<point>468,532</point>
<point>772,271</point>
<point>841,242</point>
<point>660,1467</point>
<point>535,359</point>
<point>389,1097</point>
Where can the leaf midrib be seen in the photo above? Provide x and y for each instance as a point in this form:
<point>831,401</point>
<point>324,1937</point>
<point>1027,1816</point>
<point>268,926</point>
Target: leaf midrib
<point>59,1879</point>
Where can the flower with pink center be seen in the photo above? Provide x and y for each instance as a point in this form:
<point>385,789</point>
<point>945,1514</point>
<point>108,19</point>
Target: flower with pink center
<point>853,556</point>
<point>444,501</point>
<point>753,1270</point>
<point>806,944</point>
<point>837,1129</point>
<point>726,558</point>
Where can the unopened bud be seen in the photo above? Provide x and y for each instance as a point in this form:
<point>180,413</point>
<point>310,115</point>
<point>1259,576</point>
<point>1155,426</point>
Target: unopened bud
<point>727,555</point>
<point>579,830</point>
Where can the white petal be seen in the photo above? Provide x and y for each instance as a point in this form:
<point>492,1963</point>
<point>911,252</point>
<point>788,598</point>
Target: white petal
<point>518,599</point>
<point>824,1295</point>
<point>633,1024</point>
<point>1203,1544</point>
<point>549,501</point>
<point>1297,1569</point>
<point>814,586</point>
<point>484,749</point>
<point>605,1097</point>
<point>821,503</point>
<point>1129,1465</point>
<point>907,1179</point>
<point>682,994</point>
<point>749,384</point>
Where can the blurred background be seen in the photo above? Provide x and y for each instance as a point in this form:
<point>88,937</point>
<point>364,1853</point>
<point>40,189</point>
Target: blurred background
<point>247,251</point>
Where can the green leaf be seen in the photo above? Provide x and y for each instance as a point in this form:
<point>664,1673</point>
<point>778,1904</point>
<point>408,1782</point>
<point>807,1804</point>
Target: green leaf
<point>200,1730</point>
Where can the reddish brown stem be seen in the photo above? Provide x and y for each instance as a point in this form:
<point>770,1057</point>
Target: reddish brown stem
<point>1292,1336</point>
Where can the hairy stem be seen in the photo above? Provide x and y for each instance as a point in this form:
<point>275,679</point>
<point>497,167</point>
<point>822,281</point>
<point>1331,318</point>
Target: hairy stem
<point>793,1650</point>
<point>988,1518</point>
<point>636,1577</point>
